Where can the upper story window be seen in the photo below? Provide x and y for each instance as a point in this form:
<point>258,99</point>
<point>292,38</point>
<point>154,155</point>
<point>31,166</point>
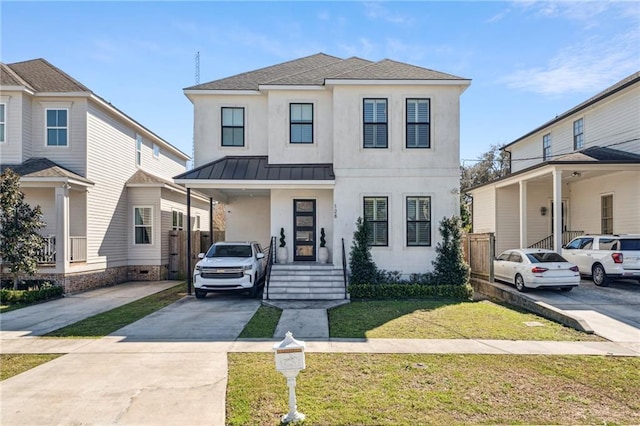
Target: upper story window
<point>578,134</point>
<point>232,126</point>
<point>418,123</point>
<point>143,225</point>
<point>301,123</point>
<point>138,149</point>
<point>3,122</point>
<point>156,151</point>
<point>546,147</point>
<point>377,220</point>
<point>418,221</point>
<point>57,127</point>
<point>375,123</point>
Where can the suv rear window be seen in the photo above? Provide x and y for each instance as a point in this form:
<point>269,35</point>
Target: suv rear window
<point>230,251</point>
<point>545,257</point>
<point>630,244</point>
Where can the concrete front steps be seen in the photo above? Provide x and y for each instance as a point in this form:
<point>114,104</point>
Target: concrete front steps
<point>305,281</point>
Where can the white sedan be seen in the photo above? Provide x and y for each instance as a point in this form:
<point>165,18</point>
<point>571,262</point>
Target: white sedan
<point>534,268</point>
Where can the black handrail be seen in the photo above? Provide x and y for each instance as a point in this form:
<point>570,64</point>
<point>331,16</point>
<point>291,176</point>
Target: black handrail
<point>271,257</point>
<point>547,243</point>
<point>344,269</point>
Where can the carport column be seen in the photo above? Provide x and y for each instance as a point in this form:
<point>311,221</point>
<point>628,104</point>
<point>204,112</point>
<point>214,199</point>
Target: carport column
<point>62,228</point>
<point>557,210</point>
<point>189,271</point>
<point>523,214</point>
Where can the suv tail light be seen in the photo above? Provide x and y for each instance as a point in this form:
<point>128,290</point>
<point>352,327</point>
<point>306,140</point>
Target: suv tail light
<point>617,257</point>
<point>574,269</point>
<point>538,270</point>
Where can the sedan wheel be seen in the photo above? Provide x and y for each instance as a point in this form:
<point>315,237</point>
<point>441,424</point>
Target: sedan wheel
<point>520,283</point>
<point>599,276</point>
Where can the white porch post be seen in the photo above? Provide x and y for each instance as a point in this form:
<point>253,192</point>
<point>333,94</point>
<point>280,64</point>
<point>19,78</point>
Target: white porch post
<point>62,228</point>
<point>523,214</point>
<point>557,210</point>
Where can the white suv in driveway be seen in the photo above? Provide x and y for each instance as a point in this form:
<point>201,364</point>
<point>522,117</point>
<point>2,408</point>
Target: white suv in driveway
<point>605,257</point>
<point>230,266</point>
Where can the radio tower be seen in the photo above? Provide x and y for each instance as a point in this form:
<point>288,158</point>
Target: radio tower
<point>193,139</point>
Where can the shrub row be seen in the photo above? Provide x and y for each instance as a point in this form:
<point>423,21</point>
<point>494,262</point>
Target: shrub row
<point>30,296</point>
<point>409,291</point>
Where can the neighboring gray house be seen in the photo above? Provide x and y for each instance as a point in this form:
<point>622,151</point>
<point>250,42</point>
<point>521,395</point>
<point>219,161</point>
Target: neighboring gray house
<point>103,180</point>
<point>578,173</point>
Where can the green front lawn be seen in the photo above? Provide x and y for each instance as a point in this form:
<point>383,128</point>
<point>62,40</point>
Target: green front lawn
<point>14,364</point>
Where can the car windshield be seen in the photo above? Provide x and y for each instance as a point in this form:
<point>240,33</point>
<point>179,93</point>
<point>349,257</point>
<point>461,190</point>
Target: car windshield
<point>229,251</point>
<point>545,257</point>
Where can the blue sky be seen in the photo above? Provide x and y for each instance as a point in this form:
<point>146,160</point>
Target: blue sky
<point>528,61</point>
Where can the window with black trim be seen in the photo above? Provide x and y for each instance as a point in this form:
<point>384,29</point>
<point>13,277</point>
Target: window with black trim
<point>301,123</point>
<point>232,126</point>
<point>418,123</point>
<point>57,127</point>
<point>419,221</point>
<point>606,214</point>
<point>375,123</point>
<point>546,147</point>
<point>578,134</point>
<point>376,220</point>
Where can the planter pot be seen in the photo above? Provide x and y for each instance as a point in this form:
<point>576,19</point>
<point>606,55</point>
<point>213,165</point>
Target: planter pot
<point>323,255</point>
<point>282,255</point>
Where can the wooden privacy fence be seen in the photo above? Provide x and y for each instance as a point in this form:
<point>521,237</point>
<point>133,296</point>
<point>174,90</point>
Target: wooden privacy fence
<point>479,252</point>
<point>200,243</point>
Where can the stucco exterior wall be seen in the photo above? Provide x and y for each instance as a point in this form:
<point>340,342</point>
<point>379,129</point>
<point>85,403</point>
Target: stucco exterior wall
<point>248,219</point>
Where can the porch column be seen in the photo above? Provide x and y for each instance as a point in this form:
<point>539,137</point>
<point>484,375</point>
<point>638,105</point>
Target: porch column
<point>189,271</point>
<point>211,220</point>
<point>557,210</point>
<point>62,228</point>
<point>523,214</point>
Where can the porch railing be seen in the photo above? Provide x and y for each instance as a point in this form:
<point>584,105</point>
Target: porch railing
<point>47,254</point>
<point>547,243</point>
<point>270,258</point>
<point>78,249</point>
<point>344,268</point>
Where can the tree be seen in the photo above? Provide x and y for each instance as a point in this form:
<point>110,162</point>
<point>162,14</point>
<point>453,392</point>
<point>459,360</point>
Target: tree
<point>363,268</point>
<point>449,265</point>
<point>19,225</point>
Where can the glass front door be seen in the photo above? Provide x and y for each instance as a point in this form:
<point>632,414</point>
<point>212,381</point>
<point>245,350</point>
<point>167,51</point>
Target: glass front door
<point>304,230</point>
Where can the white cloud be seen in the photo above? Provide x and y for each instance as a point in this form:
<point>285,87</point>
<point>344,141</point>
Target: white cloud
<point>375,11</point>
<point>582,68</point>
<point>363,48</point>
<point>587,12</point>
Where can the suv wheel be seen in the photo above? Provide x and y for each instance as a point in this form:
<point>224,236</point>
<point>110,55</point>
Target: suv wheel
<point>599,276</point>
<point>200,294</point>
<point>253,292</point>
<point>520,283</point>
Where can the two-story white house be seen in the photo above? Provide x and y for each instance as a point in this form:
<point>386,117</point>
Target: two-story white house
<point>319,141</point>
<point>578,173</point>
<point>103,181</point>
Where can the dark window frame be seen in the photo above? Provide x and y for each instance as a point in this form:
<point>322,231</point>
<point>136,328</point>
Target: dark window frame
<point>223,127</point>
<point>606,222</point>
<point>417,124</point>
<point>417,221</point>
<point>375,123</point>
<point>300,123</point>
<point>546,147</point>
<point>375,221</point>
<point>578,134</point>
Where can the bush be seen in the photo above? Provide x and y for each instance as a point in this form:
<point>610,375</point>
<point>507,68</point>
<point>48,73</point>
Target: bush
<point>363,268</point>
<point>409,291</point>
<point>13,297</point>
<point>449,266</point>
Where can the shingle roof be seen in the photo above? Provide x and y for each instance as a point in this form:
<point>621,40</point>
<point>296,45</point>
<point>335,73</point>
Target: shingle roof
<point>258,168</point>
<point>44,77</point>
<point>8,77</point>
<point>315,69</point>
<point>599,154</point>
<point>43,168</point>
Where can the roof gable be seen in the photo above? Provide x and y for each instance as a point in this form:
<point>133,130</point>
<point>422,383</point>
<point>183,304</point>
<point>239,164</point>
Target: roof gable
<point>44,77</point>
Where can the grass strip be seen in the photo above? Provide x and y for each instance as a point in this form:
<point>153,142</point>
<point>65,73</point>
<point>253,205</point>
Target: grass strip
<point>103,324</point>
<point>263,323</point>
<point>14,364</point>
<point>424,389</point>
<point>437,319</point>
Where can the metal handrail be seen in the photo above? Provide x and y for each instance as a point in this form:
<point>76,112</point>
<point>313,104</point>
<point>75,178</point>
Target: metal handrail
<point>271,258</point>
<point>344,268</point>
<point>547,243</point>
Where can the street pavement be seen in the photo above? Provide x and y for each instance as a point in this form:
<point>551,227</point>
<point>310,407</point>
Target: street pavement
<point>170,368</point>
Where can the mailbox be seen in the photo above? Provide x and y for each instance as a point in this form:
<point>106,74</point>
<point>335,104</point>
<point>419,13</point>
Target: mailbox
<point>289,361</point>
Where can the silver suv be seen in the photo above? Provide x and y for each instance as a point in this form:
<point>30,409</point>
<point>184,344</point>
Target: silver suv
<point>230,266</point>
<point>605,257</point>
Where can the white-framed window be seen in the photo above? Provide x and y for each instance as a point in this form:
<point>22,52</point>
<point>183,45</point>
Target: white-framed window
<point>143,225</point>
<point>374,119</point>
<point>197,222</point>
<point>232,126</point>
<point>418,123</point>
<point>377,220</point>
<point>606,214</point>
<point>546,147</point>
<point>138,149</point>
<point>419,221</point>
<point>57,126</point>
<point>177,220</point>
<point>578,134</point>
<point>3,123</point>
<point>156,151</point>
<point>300,123</point>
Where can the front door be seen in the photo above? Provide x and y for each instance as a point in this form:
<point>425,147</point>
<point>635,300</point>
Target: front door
<point>304,230</point>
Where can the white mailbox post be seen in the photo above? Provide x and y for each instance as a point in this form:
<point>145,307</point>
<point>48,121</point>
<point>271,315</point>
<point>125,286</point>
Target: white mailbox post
<point>289,361</point>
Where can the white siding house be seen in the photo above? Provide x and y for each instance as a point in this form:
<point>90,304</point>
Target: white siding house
<point>578,173</point>
<point>90,166</point>
<point>318,142</point>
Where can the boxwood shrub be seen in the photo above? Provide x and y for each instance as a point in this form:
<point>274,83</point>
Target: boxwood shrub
<point>409,291</point>
<point>12,297</point>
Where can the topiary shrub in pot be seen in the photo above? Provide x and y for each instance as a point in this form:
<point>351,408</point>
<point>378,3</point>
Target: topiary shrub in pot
<point>282,255</point>
<point>323,253</point>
